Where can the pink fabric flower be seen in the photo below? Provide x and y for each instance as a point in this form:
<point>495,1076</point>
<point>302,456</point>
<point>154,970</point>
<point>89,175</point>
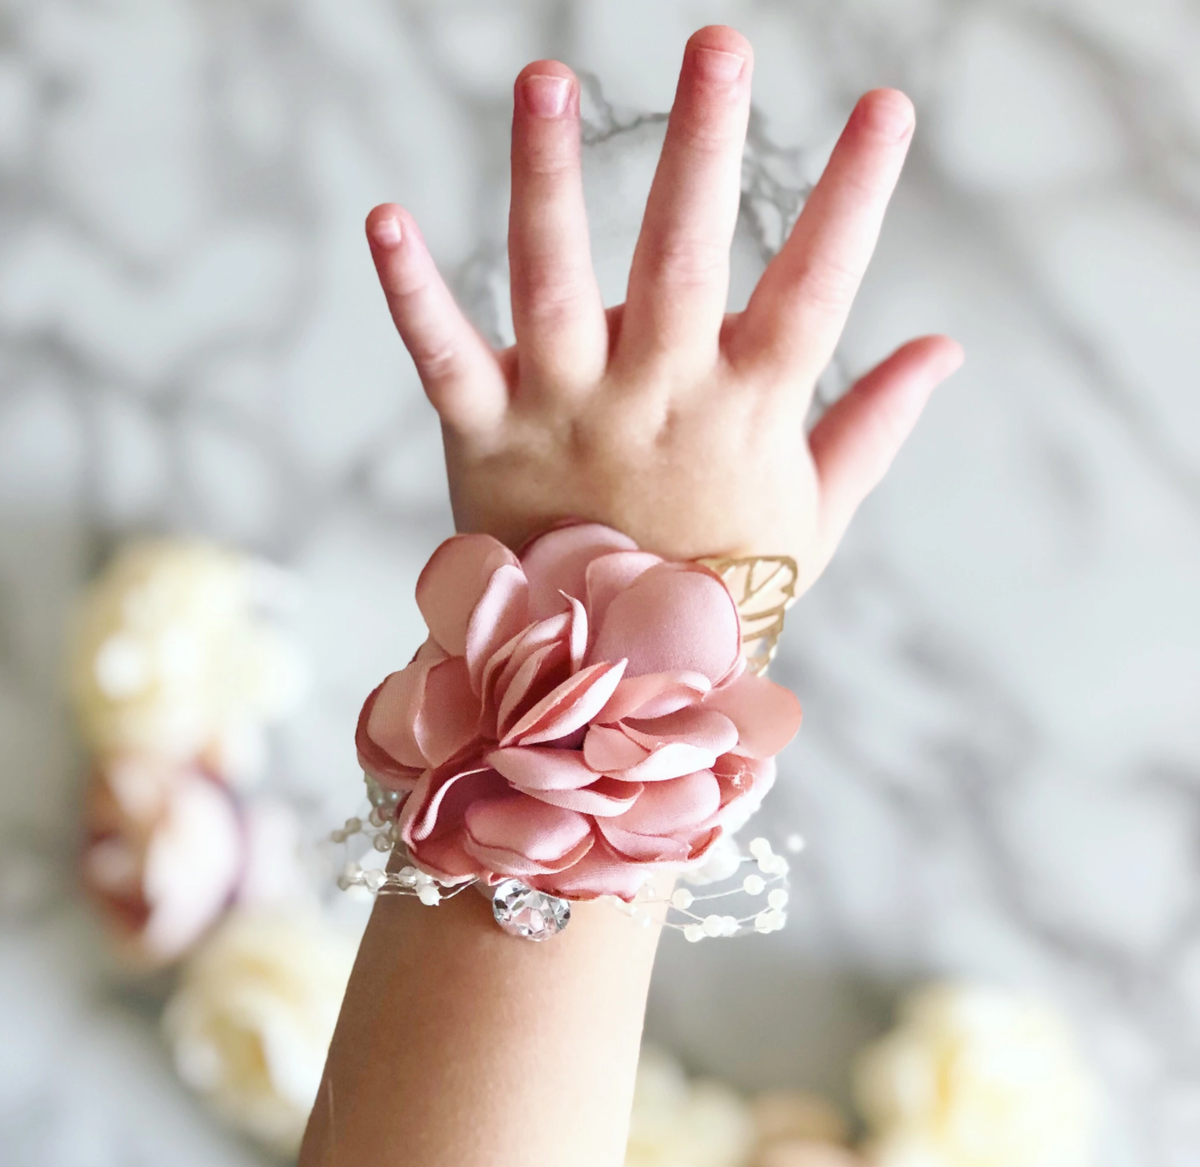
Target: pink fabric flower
<point>577,716</point>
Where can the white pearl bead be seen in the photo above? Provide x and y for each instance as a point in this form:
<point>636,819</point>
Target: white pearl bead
<point>682,899</point>
<point>353,826</point>
<point>760,848</point>
<point>693,933</point>
<point>713,925</point>
<point>762,922</point>
<point>753,885</point>
<point>428,894</point>
<point>731,925</point>
<point>778,898</point>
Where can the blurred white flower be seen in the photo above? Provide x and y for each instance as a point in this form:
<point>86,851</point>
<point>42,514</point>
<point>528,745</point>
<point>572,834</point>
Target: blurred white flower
<point>168,849</point>
<point>252,1018</point>
<point>682,1123</point>
<point>173,655</point>
<point>977,1077</point>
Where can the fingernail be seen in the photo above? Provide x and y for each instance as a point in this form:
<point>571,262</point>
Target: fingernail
<point>891,116</point>
<point>546,95</point>
<point>718,66</point>
<point>386,231</point>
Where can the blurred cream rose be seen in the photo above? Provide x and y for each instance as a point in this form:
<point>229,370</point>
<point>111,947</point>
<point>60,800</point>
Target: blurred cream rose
<point>977,1077</point>
<point>167,850</point>
<point>172,655</point>
<point>682,1123</point>
<point>252,1018</point>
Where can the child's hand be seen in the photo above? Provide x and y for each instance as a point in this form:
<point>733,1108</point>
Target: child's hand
<point>667,418</point>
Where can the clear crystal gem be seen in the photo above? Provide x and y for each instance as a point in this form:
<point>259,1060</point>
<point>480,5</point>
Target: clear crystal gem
<point>532,915</point>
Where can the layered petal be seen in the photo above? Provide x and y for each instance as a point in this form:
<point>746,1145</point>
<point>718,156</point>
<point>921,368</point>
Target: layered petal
<point>513,834</point>
<point>675,617</point>
<point>454,581</point>
<point>569,707</point>
<point>767,715</point>
<point>557,562</point>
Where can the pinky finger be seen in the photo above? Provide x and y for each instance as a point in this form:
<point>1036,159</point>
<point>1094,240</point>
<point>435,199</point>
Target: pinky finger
<point>460,372</point>
<point>854,443</point>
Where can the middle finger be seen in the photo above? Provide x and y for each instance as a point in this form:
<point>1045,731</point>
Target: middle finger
<point>679,279</point>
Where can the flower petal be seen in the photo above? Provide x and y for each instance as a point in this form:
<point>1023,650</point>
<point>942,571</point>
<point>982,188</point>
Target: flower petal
<point>387,770</point>
<point>453,582</point>
<point>673,760</point>
<point>569,707</point>
<point>441,798</point>
<point>610,575</point>
<point>540,675</point>
<point>501,613</point>
<point>601,872</point>
<point>653,695</point>
<point>767,715</point>
<point>557,562</point>
<point>704,728</point>
<point>395,705</point>
<point>676,617</point>
<point>606,749</point>
<point>605,798</point>
<point>671,808</point>
<point>543,767</point>
<point>526,828</point>
<point>445,720</point>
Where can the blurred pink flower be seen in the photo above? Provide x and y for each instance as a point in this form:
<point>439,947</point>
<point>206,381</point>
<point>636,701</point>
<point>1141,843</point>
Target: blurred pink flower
<point>577,716</point>
<point>168,849</point>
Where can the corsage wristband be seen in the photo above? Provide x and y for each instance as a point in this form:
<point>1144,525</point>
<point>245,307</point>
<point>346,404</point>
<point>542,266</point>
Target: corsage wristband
<point>581,717</point>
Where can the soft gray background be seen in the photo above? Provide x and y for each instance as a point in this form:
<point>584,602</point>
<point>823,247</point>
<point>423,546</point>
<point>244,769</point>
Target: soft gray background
<point>1000,769</point>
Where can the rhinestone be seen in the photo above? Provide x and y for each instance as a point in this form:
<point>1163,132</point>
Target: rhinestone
<point>529,914</point>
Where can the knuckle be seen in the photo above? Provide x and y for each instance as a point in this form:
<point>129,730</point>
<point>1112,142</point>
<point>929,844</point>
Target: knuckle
<point>828,285</point>
<point>690,262</point>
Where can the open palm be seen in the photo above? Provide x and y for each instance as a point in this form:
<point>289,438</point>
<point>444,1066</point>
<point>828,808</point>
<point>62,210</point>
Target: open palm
<point>667,417</point>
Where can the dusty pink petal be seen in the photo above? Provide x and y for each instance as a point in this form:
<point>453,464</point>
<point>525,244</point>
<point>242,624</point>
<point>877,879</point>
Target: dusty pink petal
<point>506,662</point>
<point>448,713</point>
<point>376,761</point>
<point>674,807</point>
<point>447,858</point>
<point>500,862</point>
<point>502,612</point>
<point>697,726</point>
<point>676,617</point>
<point>540,675</point>
<point>452,583</point>
<point>572,705</point>
<point>606,749</point>
<point>543,768</point>
<point>579,633</point>
<point>670,761</point>
<point>653,695</point>
<point>557,562</point>
<point>396,704</point>
<point>610,575</point>
<point>514,822</point>
<point>639,848</point>
<point>739,775</point>
<point>601,872</point>
<point>767,715</point>
<point>499,672</point>
<point>441,798</point>
<point>605,798</point>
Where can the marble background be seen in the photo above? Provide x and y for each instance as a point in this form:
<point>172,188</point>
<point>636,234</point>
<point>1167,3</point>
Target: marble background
<point>1000,770</point>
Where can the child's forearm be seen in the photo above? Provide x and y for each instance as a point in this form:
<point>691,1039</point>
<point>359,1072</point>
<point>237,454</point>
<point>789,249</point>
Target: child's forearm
<point>459,1046</point>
